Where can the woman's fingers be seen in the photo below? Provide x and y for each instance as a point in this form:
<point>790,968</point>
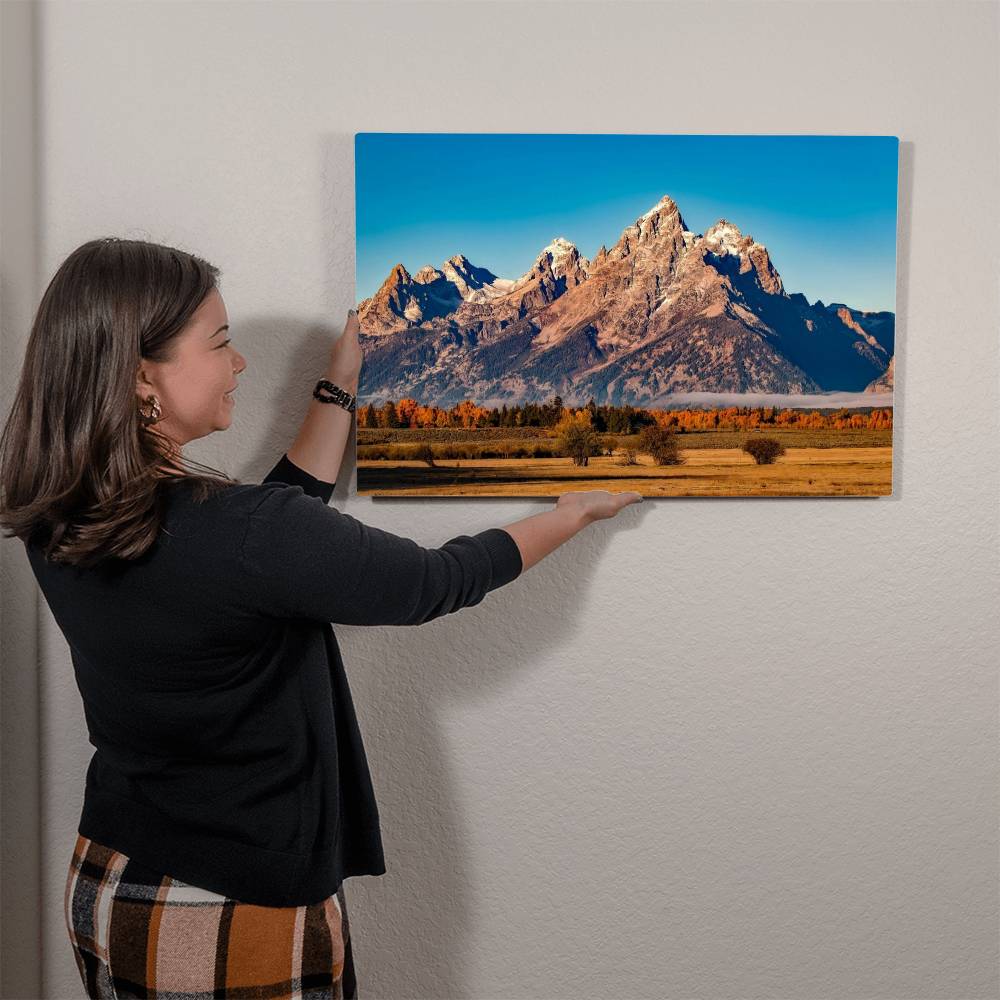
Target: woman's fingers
<point>345,354</point>
<point>598,504</point>
<point>620,500</point>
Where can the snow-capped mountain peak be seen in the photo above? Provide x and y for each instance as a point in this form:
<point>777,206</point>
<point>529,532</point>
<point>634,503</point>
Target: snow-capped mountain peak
<point>561,254</point>
<point>467,277</point>
<point>727,236</point>
<point>665,204</point>
<point>427,274</point>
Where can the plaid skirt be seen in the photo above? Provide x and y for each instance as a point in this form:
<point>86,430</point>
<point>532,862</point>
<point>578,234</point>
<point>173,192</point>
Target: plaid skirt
<point>136,933</point>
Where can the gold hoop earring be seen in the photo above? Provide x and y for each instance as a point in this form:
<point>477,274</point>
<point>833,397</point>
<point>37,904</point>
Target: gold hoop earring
<point>154,415</point>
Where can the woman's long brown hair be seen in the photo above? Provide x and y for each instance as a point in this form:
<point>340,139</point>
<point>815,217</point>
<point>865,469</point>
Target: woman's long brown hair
<point>80,472</point>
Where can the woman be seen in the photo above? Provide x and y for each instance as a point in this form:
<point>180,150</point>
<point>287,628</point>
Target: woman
<point>229,794</point>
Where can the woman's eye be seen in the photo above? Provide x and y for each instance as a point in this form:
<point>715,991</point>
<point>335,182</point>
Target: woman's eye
<point>223,344</point>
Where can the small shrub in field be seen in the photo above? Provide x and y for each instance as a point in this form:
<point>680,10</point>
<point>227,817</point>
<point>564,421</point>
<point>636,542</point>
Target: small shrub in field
<point>627,454</point>
<point>660,444</point>
<point>424,453</point>
<point>764,450</point>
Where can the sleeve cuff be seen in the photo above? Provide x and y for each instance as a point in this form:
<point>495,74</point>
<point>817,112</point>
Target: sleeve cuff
<point>505,555</point>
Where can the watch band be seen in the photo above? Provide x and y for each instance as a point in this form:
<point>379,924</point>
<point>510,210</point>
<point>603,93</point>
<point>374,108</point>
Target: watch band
<point>336,395</point>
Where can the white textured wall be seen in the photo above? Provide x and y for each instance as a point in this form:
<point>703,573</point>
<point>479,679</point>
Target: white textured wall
<point>716,748</point>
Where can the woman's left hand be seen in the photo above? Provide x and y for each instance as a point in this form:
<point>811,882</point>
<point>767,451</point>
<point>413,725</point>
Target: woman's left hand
<point>345,355</point>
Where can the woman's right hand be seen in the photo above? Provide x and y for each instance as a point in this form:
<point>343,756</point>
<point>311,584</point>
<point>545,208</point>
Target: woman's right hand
<point>539,534</point>
<point>595,505</point>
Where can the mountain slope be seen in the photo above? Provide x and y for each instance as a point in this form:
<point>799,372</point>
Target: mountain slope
<point>664,310</point>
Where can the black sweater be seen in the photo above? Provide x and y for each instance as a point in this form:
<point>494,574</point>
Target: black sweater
<point>228,753</point>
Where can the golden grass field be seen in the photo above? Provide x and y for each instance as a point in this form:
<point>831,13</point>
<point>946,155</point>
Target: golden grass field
<point>806,471</point>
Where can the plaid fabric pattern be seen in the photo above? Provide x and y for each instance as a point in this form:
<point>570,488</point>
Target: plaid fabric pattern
<point>136,933</point>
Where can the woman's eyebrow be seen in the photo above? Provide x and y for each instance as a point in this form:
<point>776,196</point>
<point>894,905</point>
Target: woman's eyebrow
<point>217,332</point>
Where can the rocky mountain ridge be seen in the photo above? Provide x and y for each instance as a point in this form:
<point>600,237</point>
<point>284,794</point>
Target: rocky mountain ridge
<point>664,310</point>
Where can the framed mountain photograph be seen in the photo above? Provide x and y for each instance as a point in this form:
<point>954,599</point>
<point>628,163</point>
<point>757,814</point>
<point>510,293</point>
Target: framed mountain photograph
<point>679,315</point>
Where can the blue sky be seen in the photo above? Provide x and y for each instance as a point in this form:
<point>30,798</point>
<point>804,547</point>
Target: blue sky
<point>824,206</point>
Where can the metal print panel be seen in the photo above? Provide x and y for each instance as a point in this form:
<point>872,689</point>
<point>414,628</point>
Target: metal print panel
<point>679,315</point>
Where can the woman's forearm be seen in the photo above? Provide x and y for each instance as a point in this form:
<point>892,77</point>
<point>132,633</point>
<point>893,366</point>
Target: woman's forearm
<point>319,446</point>
<point>540,534</point>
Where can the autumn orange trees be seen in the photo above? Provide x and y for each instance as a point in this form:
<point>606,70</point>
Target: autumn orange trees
<point>407,413</point>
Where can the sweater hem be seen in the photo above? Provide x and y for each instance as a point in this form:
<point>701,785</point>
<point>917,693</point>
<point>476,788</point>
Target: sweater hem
<point>240,871</point>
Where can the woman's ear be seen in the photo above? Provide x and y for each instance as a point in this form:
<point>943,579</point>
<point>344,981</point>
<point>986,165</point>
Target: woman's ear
<point>143,385</point>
